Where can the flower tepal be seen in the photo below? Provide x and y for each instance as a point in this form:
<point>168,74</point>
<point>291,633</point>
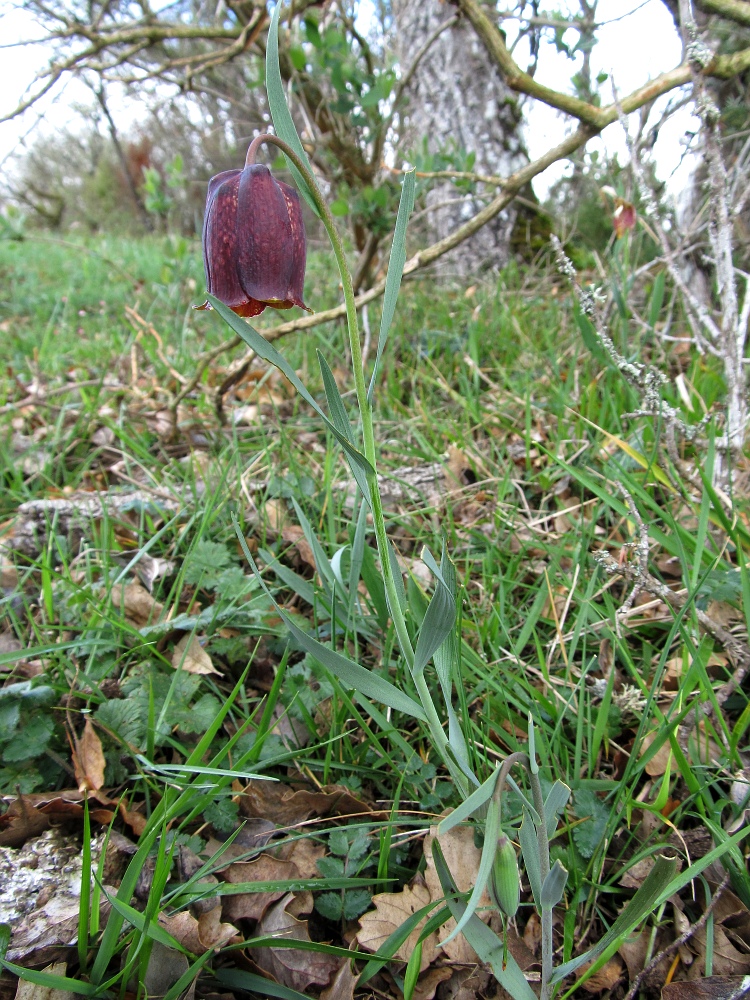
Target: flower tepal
<point>254,244</point>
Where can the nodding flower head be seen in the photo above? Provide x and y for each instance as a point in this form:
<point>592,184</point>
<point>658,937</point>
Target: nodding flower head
<point>254,244</point>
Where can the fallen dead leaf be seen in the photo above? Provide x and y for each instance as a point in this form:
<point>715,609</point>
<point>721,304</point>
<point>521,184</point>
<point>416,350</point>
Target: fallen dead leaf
<point>658,763</point>
<point>288,807</point>
<point>532,933</point>
<point>462,858</point>
<point>305,853</point>
<point>139,606</point>
<point>605,978</point>
<point>252,905</point>
<point>391,910</point>
<point>292,967</point>
<point>276,514</point>
<point>88,759</point>
<point>191,657</point>
<point>728,960</point>
<point>428,983</point>
<point>342,984</point>
<point>709,988</point>
<point>199,935</point>
<point>294,535</point>
<point>29,815</point>
<point>32,991</point>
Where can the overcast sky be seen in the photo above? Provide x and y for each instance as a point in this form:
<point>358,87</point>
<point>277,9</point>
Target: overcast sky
<point>636,41</point>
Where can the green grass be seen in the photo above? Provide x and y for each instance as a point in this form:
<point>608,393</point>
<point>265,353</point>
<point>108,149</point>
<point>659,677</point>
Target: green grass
<point>501,380</point>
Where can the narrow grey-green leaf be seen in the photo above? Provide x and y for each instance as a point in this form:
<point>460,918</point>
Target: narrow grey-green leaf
<point>302,587</point>
<point>486,860</point>
<point>554,804</point>
<point>280,113</point>
<point>470,805</point>
<point>358,554</point>
<point>530,850</point>
<point>351,674</point>
<point>447,660</point>
<point>397,577</point>
<point>341,422</point>
<point>395,270</point>
<point>437,625</point>
<point>553,886</point>
<point>637,909</point>
<point>322,562</point>
<point>483,940</point>
<point>268,352</point>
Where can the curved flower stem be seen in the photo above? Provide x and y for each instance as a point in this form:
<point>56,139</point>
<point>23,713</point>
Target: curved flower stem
<point>368,436</point>
<point>543,841</point>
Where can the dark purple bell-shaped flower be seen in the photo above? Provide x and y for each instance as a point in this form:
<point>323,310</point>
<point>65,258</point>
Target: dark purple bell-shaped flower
<point>254,244</point>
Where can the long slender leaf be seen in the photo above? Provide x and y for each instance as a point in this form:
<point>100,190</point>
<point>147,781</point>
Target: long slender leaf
<point>236,979</point>
<point>395,271</point>
<point>469,806</point>
<point>554,804</point>
<point>351,674</point>
<point>643,903</point>
<point>530,850</point>
<point>437,625</point>
<point>280,114</point>
<point>489,849</point>
<point>268,352</point>
<point>341,422</point>
<point>52,982</point>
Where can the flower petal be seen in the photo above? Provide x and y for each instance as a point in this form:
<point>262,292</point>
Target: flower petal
<point>220,241</point>
<point>265,246</point>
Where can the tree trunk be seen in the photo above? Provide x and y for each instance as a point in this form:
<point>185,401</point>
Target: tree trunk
<point>457,96</point>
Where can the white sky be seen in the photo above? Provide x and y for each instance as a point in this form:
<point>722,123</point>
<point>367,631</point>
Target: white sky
<point>636,43</point>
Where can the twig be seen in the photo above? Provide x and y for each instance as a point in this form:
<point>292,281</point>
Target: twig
<point>677,943</point>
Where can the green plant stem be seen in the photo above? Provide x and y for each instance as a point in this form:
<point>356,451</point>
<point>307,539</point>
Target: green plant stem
<point>546,913</point>
<point>368,436</point>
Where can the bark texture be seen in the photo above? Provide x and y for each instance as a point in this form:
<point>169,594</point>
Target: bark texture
<point>457,95</point>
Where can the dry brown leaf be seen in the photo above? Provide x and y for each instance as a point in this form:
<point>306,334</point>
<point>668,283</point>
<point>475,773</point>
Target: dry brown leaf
<point>139,606</point>
<point>276,514</point>
<point>605,978</point>
<point>289,966</point>
<point>28,815</point>
<point>709,988</point>
<point>88,759</point>
<point>391,910</point>
<point>428,983</point>
<point>342,984</point>
<point>294,535</point>
<point>532,933</point>
<point>467,984</point>
<point>658,763</point>
<point>305,853</point>
<point>252,905</point>
<point>287,807</point>
<point>32,991</point>
<point>462,858</point>
<point>191,657</point>
<point>635,876</point>
<point>200,935</point>
<point>728,960</point>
